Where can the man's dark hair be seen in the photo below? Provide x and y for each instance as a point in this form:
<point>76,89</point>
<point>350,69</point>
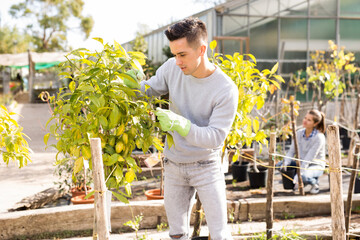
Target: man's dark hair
<point>193,29</point>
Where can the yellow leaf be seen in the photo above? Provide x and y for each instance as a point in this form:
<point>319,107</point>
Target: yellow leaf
<point>79,163</point>
<point>46,138</point>
<point>130,176</point>
<point>256,125</point>
<point>213,44</point>
<point>275,68</point>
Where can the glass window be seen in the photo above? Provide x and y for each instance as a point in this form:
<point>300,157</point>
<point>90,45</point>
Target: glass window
<point>293,7</point>
<point>322,29</point>
<point>234,25</point>
<point>349,8</point>
<point>263,40</point>
<point>294,28</point>
<point>347,29</point>
<point>269,7</point>
<point>323,8</point>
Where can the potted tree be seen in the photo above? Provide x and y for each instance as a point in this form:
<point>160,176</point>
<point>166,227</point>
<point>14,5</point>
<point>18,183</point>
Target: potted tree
<point>254,87</point>
<point>97,103</point>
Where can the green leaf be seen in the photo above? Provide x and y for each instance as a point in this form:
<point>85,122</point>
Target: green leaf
<point>87,88</point>
<point>170,140</point>
<point>114,116</point>
<point>89,195</point>
<point>120,197</point>
<point>72,86</point>
<point>131,162</point>
<point>95,100</point>
<point>103,121</point>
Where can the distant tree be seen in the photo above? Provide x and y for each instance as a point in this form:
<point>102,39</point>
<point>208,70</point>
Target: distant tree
<point>12,41</point>
<point>139,44</point>
<point>49,21</point>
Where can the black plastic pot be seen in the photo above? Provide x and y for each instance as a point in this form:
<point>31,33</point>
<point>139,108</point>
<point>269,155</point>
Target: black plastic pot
<point>239,172</point>
<point>200,238</point>
<point>287,183</point>
<point>257,179</point>
<point>357,185</point>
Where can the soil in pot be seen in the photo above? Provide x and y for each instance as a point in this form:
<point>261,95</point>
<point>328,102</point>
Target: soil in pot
<point>153,194</point>
<point>357,185</point>
<point>239,171</point>
<point>257,179</point>
<point>81,200</point>
<point>287,183</point>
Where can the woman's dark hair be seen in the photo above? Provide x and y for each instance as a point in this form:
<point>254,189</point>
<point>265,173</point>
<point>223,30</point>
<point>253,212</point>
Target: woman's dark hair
<point>319,119</point>
<point>193,29</point>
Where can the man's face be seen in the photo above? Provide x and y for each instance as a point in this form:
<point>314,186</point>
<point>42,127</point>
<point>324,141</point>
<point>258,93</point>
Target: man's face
<point>187,57</point>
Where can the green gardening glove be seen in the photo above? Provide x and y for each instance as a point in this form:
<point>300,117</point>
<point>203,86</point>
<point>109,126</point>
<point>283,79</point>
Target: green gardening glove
<point>170,121</point>
<point>136,76</point>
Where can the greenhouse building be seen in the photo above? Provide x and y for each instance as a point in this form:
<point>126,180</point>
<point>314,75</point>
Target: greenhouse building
<point>284,31</point>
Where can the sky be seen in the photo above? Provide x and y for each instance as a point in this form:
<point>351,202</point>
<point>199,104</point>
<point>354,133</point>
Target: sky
<point>119,19</point>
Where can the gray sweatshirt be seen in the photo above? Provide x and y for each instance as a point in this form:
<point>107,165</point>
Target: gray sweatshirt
<point>209,103</point>
<point>310,149</point>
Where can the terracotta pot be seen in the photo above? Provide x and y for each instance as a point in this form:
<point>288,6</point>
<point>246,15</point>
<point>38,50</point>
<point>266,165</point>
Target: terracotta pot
<point>153,194</point>
<point>75,192</point>
<point>81,199</point>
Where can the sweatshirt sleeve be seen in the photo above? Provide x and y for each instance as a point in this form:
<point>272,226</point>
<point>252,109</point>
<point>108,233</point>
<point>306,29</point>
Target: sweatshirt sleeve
<point>222,117</point>
<point>157,84</point>
<point>316,147</point>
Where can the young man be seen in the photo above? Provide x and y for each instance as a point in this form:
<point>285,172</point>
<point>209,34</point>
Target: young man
<point>203,102</point>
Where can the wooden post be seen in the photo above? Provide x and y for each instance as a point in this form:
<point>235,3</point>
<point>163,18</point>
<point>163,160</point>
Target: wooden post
<point>101,223</point>
<point>198,217</point>
<point>336,192</point>
<point>351,190</point>
<point>269,188</point>
<point>353,134</point>
<point>297,155</point>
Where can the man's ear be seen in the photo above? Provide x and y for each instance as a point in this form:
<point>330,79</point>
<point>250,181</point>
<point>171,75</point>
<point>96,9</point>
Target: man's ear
<point>202,50</point>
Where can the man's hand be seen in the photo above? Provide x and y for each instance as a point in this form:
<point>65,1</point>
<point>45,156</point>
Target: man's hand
<point>137,76</point>
<point>170,121</point>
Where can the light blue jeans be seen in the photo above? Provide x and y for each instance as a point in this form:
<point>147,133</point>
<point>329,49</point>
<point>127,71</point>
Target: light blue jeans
<point>181,181</point>
<point>310,175</point>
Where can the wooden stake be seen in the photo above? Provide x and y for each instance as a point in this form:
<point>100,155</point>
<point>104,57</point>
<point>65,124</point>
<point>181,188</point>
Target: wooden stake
<point>198,217</point>
<point>336,192</point>
<point>351,190</point>
<point>101,223</point>
<point>353,134</point>
<point>269,188</point>
<point>297,155</point>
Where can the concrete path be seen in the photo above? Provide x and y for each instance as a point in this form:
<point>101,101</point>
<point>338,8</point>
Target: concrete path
<point>15,183</point>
